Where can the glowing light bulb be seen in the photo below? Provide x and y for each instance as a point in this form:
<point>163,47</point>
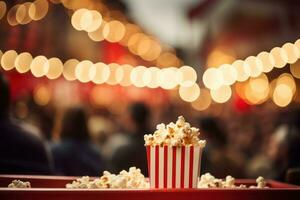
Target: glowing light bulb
<point>267,61</point>
<point>151,77</point>
<point>190,93</point>
<point>136,76</point>
<point>8,59</point>
<point>83,71</point>
<point>23,62</point>
<point>187,76</point>
<point>212,78</point>
<point>114,31</point>
<point>38,9</point>
<point>203,101</point>
<point>242,69</point>
<point>280,57</point>
<point>126,78</point>
<point>222,94</point>
<point>69,69</point>
<point>292,52</point>
<point>168,78</point>
<point>55,68</point>
<point>282,95</point>
<point>255,66</point>
<point>101,74</point>
<point>39,66</point>
<point>116,74</point>
<point>295,69</point>
<point>229,74</point>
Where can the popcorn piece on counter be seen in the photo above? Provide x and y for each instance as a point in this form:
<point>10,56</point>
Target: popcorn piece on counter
<point>175,134</point>
<point>209,181</point>
<point>19,184</point>
<point>131,179</point>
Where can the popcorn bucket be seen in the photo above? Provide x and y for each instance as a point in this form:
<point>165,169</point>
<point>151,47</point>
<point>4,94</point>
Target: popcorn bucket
<point>174,167</point>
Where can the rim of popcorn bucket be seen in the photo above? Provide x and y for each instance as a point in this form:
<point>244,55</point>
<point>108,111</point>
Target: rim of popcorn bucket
<point>182,172</point>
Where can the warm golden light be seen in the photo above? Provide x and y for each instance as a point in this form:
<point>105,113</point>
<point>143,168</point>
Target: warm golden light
<point>96,21</point>
<point>203,101</point>
<point>187,76</point>
<point>154,52</point>
<point>222,94</point>
<point>280,57</point>
<point>126,78</point>
<point>242,70</point>
<point>23,62</point>
<point>83,71</point>
<point>212,78</point>
<point>11,15</point>
<point>55,68</point>
<point>151,77</point>
<point>190,93</point>
<point>229,74</point>
<point>144,45</point>
<point>116,74</point>
<point>220,56</point>
<point>130,29</point>
<point>38,9</point>
<point>97,35</point>
<point>168,78</point>
<point>42,95</point>
<point>287,79</point>
<point>39,66</point>
<point>267,61</point>
<point>69,69</point>
<point>76,18</point>
<point>167,59</point>
<point>257,89</point>
<point>8,59</point>
<point>114,31</point>
<point>137,75</point>
<point>86,20</point>
<point>282,95</point>
<point>255,66</point>
<point>295,69</point>
<point>2,9</point>
<point>22,15</point>
<point>292,52</point>
<point>133,42</point>
<point>102,73</point>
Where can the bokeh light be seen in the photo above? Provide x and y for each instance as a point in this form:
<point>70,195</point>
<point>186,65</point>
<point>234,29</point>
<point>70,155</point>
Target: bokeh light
<point>280,57</point>
<point>39,66</point>
<point>96,21</point>
<point>22,15</point>
<point>287,79</point>
<point>292,52</point>
<point>83,71</point>
<point>8,59</point>
<point>190,93</point>
<point>126,78</point>
<point>267,61</point>
<point>116,74</point>
<point>97,35</point>
<point>242,70</point>
<point>282,95</point>
<point>168,78</point>
<point>295,69</point>
<point>212,78</point>
<point>203,101</point>
<point>42,95</point>
<point>151,77</point>
<point>257,89</point>
<point>69,69</point>
<point>11,15</point>
<point>76,18</point>
<point>255,66</point>
<point>229,74</point>
<point>137,75</point>
<point>38,9</point>
<point>114,31</point>
<point>102,73</point>
<point>2,9</point>
<point>23,62</point>
<point>222,94</point>
<point>187,76</point>
<point>55,68</point>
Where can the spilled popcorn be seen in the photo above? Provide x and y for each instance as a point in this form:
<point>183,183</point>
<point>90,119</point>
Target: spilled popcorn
<point>209,181</point>
<point>132,179</point>
<point>19,184</point>
<point>175,134</point>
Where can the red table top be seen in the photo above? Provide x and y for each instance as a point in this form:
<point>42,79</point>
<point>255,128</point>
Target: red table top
<point>52,187</point>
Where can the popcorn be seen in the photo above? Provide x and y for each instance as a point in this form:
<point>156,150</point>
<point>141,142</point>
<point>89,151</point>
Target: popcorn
<point>19,184</point>
<point>131,179</point>
<point>209,181</point>
<point>175,134</point>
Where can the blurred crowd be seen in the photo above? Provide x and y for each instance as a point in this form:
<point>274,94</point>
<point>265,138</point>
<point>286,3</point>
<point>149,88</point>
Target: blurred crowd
<point>79,141</point>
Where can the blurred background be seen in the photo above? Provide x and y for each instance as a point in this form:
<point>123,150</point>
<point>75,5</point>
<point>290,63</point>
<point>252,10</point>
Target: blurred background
<point>87,79</point>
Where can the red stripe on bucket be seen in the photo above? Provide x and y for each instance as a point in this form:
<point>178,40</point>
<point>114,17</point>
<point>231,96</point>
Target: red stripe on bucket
<point>165,166</point>
<point>174,168</point>
<point>182,167</point>
<point>156,166</point>
<point>148,159</point>
<point>191,167</point>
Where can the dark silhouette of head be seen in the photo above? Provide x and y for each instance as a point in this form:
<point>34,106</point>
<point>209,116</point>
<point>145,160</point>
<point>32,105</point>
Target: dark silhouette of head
<point>75,125</point>
<point>139,114</point>
<point>211,129</point>
<point>4,96</point>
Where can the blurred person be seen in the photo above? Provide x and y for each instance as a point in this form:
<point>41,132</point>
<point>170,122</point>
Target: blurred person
<point>22,150</point>
<point>218,159</point>
<point>282,150</point>
<point>134,152</point>
<point>75,154</point>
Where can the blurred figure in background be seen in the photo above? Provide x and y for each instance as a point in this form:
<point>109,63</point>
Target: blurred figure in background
<point>75,154</point>
<point>134,153</point>
<point>22,150</point>
<point>217,157</point>
<point>282,151</point>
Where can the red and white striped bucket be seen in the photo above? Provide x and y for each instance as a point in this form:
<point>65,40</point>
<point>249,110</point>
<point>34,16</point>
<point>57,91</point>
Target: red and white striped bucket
<point>174,167</point>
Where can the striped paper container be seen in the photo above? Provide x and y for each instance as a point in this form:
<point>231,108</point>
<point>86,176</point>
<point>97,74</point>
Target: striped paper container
<point>174,167</point>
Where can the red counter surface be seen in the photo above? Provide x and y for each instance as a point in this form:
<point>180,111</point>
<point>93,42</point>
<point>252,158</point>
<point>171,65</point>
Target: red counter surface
<point>52,188</point>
